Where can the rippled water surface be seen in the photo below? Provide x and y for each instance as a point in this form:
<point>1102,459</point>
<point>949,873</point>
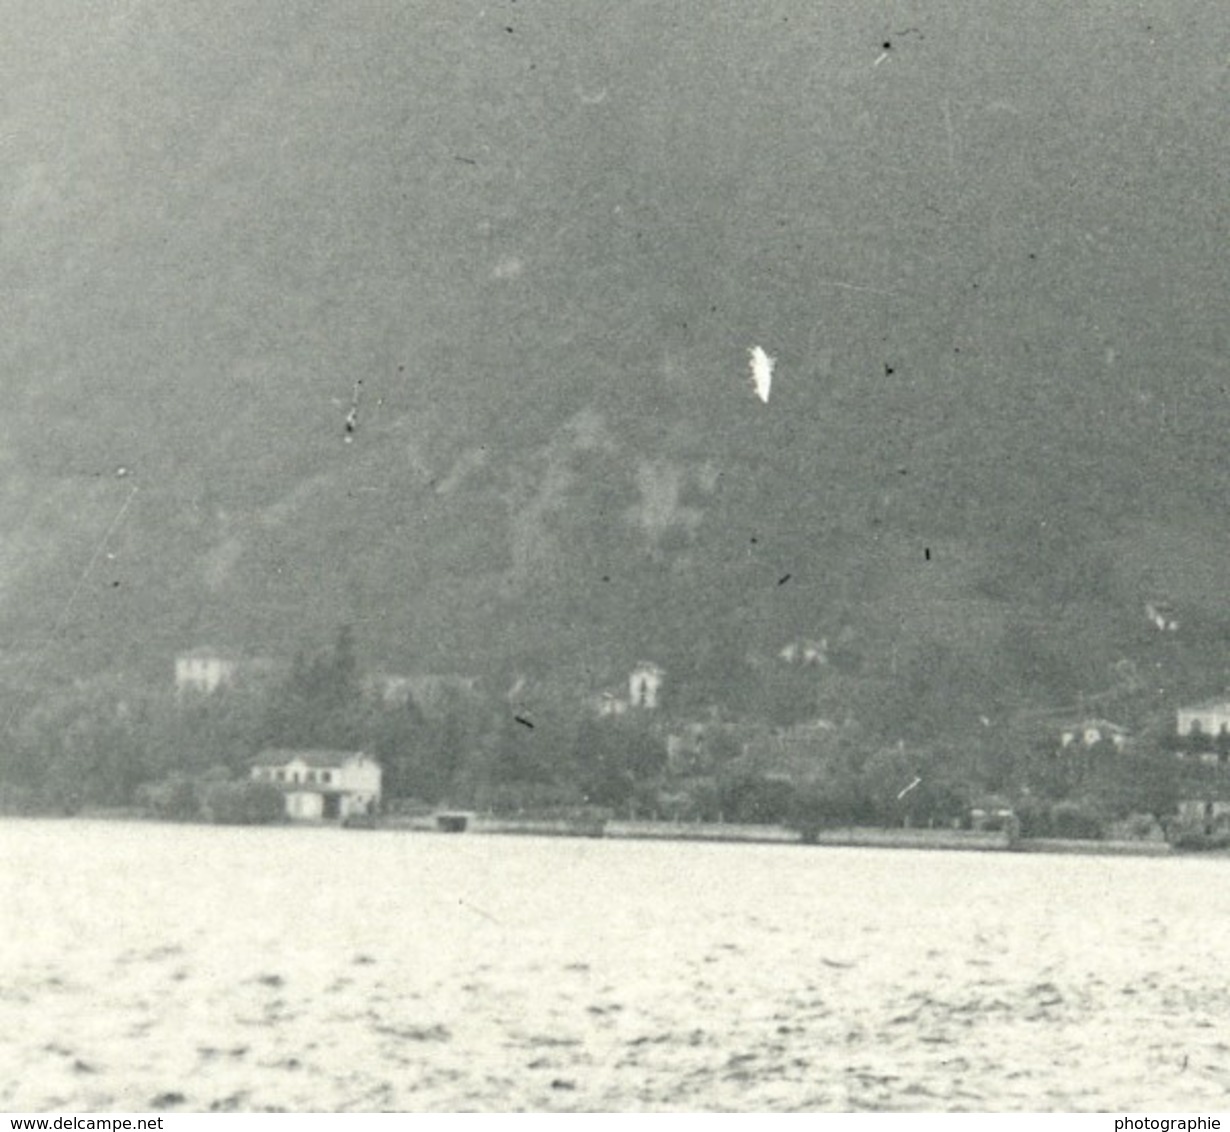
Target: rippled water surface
<point>197,968</point>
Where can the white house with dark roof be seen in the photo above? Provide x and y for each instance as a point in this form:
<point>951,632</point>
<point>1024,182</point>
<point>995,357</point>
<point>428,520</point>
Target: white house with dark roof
<point>322,785</point>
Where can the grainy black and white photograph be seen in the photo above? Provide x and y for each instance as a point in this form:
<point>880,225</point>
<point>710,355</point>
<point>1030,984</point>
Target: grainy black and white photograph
<point>659,556</point>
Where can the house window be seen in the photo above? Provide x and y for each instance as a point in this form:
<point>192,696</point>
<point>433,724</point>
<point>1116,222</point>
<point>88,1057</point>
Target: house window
<point>326,777</point>
<point>310,776</point>
<point>280,775</point>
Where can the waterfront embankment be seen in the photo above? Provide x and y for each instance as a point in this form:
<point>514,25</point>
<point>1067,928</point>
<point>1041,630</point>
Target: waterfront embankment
<point>848,836</point>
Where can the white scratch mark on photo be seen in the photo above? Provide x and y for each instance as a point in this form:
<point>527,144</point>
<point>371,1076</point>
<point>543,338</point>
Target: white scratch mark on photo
<point>762,372</point>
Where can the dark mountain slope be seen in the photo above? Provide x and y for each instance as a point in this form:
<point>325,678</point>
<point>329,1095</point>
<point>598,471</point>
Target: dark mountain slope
<point>989,261</point>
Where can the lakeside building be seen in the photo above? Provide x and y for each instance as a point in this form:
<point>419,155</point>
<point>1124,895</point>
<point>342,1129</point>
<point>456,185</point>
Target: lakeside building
<point>1208,814</point>
<point>322,785</point>
<point>1203,733</point>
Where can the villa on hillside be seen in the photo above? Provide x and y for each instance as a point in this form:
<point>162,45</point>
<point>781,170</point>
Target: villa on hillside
<point>1210,719</point>
<point>431,693</point>
<point>806,653</point>
<point>205,670</point>
<point>644,686</point>
<point>1203,734</point>
<point>322,785</point>
<point>1090,732</point>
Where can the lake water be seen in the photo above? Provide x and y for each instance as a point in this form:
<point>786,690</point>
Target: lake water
<point>196,968</point>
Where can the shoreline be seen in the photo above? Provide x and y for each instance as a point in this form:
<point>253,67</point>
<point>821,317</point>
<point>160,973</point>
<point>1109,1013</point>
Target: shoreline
<point>851,837</point>
<point>866,837</point>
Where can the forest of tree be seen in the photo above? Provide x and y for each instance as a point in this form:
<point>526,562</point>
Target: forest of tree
<point>111,744</point>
